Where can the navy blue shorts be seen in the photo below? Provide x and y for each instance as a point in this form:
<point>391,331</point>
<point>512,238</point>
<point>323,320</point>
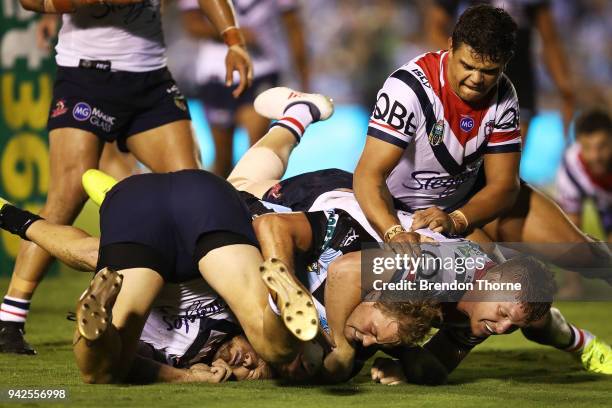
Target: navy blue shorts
<point>300,192</point>
<point>221,106</point>
<point>115,105</point>
<point>168,222</point>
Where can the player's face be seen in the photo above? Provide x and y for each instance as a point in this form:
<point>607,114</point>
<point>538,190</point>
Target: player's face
<point>243,360</point>
<point>596,151</point>
<point>491,318</point>
<point>368,325</point>
<point>471,76</point>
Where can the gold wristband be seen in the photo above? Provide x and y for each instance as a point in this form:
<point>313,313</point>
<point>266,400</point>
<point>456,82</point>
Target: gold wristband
<point>392,232</point>
<point>460,221</point>
<point>232,36</point>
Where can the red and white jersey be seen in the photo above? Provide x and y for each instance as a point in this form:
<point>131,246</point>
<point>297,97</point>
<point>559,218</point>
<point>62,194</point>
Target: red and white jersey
<point>575,184</point>
<point>444,139</point>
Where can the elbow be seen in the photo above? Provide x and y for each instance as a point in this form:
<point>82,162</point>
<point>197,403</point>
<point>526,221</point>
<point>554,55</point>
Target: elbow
<point>270,224</point>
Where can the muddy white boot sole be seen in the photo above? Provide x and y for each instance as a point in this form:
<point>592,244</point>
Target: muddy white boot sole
<point>297,307</point>
<point>93,313</point>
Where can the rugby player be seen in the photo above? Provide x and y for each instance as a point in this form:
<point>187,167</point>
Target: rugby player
<point>261,23</point>
<point>111,84</point>
<point>531,16</point>
<point>586,173</point>
<point>444,143</point>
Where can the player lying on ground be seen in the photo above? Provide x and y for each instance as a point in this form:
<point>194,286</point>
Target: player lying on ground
<point>173,228</point>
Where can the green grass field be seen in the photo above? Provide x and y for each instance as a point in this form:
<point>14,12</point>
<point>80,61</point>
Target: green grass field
<point>504,370</point>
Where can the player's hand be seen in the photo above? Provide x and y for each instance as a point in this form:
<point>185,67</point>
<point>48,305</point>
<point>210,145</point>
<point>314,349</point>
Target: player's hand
<point>46,29</point>
<point>238,59</point>
<point>204,373</point>
<point>406,243</point>
<point>433,218</point>
<point>387,371</point>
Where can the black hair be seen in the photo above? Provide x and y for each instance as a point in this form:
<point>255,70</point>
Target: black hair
<point>489,31</point>
<point>592,121</point>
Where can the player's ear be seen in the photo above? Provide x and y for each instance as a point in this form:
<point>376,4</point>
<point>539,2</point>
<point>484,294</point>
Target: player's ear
<point>450,44</point>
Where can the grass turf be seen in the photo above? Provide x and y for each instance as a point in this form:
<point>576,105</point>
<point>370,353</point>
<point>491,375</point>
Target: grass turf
<point>504,370</point>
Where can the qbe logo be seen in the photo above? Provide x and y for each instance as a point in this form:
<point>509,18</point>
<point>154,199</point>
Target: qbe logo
<point>81,111</point>
<point>466,124</point>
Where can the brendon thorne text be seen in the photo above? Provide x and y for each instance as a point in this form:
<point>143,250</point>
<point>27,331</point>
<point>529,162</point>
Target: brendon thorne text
<point>423,285</point>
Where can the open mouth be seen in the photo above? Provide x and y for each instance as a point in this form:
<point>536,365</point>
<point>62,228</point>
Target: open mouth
<point>488,328</point>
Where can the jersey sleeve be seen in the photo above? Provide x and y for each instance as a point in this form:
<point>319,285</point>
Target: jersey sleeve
<point>506,132</point>
<point>569,194</point>
<point>397,114</point>
<point>185,5</point>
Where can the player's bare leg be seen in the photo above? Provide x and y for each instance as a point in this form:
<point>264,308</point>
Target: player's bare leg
<point>280,236</point>
<point>72,151</point>
<point>265,163</point>
<point>553,330</point>
<point>537,220</point>
<point>233,272</point>
<point>170,147</point>
<point>223,138</point>
<point>116,163</point>
<point>255,125</point>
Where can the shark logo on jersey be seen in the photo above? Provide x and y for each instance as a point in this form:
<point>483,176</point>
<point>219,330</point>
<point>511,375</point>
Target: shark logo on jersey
<point>349,238</point>
<point>437,133</point>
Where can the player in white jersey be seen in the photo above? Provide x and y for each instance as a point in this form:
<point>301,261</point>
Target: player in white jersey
<point>586,173</point>
<point>269,26</point>
<point>444,142</point>
<point>112,84</point>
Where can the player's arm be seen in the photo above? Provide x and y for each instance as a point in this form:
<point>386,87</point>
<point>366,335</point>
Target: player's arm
<point>73,246</point>
<point>221,15</point>
<point>393,125</point>
<point>282,235</point>
<point>556,60</point>
<point>294,29</point>
<point>342,295</point>
<point>430,364</point>
<point>67,6</point>
<point>375,164</point>
<point>197,26</point>
<point>369,183</point>
<point>500,192</point>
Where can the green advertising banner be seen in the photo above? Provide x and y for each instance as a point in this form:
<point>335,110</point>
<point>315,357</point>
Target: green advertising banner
<point>26,85</point>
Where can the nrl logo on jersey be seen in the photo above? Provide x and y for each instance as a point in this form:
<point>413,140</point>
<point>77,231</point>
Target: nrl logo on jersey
<point>437,133</point>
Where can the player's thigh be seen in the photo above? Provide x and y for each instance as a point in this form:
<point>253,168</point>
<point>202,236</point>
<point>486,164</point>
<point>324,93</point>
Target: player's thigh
<point>233,272</point>
<point>71,152</point>
<point>169,147</point>
<point>536,218</point>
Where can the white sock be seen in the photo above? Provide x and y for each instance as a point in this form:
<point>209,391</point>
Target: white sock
<point>581,338</point>
<point>14,309</point>
<point>296,120</point>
